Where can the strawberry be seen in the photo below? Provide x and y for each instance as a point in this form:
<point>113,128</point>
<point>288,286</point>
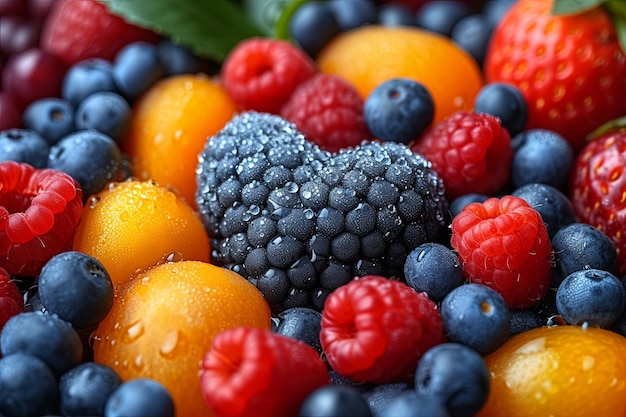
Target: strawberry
<point>570,68</point>
<point>375,329</point>
<point>598,188</point>
<point>255,372</point>
<point>79,29</point>
<point>503,243</point>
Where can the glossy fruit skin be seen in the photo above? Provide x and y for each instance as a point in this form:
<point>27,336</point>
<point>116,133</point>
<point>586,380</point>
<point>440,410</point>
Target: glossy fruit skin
<point>363,337</point>
<point>11,299</point>
<point>136,68</point>
<point>335,401</point>
<point>580,246</point>
<point>433,268</point>
<point>472,33</point>
<point>313,25</point>
<point>139,396</point>
<point>506,102</point>
<point>569,68</point>
<point>52,118</point>
<point>86,77</point>
<point>177,59</point>
<point>351,14</point>
<point>456,375</point>
<point>504,244</point>
<point>87,399</point>
<point>379,395</point>
<point>303,324</point>
<point>10,114</point>
<point>597,187</point>
<point>561,370</point>
<point>411,404</point>
<point>106,112</point>
<point>399,110</point>
<point>476,316</point>
<point>524,320</point>
<point>441,16</point>
<point>24,146</point>
<point>251,371</point>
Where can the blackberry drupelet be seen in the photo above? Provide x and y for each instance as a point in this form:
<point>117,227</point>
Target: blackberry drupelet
<point>298,221</point>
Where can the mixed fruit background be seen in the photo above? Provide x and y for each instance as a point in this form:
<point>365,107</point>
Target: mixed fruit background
<point>375,208</point>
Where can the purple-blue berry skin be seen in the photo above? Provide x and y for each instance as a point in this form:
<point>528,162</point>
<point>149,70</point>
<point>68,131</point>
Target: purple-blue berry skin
<point>43,335</point>
<point>28,387</point>
<point>380,394</point>
<point>472,34</point>
<point>524,320</point>
<point>398,110</point>
<point>441,16</point>
<point>77,288</point>
<point>411,404</point>
<point>541,156</point>
<point>177,59</point>
<point>433,268</point>
<point>86,77</point>
<point>458,204</point>
<point>591,296</point>
<point>90,157</point>
<point>106,112</point>
<point>456,375</point>
<point>392,15</point>
<point>24,145</point>
<point>506,102</point>
<point>335,401</point>
<point>52,118</point>
<point>546,307</point>
<point>581,246</point>
<point>555,208</point>
<point>312,26</point>
<point>301,323</point>
<point>476,316</point>
<point>139,397</point>
<point>494,10</point>
<point>136,68</point>
<point>351,14</point>
<point>85,388</point>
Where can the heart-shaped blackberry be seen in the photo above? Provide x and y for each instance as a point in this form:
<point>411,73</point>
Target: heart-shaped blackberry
<point>299,222</point>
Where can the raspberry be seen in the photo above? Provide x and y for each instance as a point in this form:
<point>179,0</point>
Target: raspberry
<point>39,212</point>
<point>255,372</point>
<point>261,74</point>
<point>375,329</point>
<point>471,152</point>
<point>11,301</point>
<point>329,111</point>
<point>504,244</point>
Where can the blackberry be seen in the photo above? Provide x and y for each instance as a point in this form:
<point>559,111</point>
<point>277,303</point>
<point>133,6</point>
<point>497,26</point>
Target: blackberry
<point>298,221</point>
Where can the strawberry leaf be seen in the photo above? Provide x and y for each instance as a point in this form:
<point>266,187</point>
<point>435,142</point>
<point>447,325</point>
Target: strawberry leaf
<point>210,28</point>
<point>617,11</point>
<point>567,7</point>
<point>616,124</point>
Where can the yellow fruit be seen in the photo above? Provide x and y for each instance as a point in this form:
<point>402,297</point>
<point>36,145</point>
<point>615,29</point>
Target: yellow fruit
<point>562,371</point>
<point>133,225</point>
<point>163,322</point>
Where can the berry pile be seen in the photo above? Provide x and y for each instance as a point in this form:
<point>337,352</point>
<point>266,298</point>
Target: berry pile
<point>374,208</point>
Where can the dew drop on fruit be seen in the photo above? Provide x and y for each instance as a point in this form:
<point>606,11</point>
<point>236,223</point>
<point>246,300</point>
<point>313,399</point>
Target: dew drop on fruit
<point>138,363</point>
<point>93,202</point>
<point>173,346</point>
<point>124,216</point>
<point>133,332</point>
<point>174,257</point>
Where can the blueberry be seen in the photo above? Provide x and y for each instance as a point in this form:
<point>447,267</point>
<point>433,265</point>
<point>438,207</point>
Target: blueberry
<point>541,156</point>
<point>459,203</point>
<point>379,395</point>
<point>140,397</point>
<point>398,110</point>
<point>494,10</point>
<point>506,102</point>
<point>313,25</point>
<point>433,268</point>
<point>302,324</point>
<point>441,16</point>
<point>472,34</point>
<point>136,68</point>
<point>456,375</point>
<point>409,403</point>
<point>581,246</point>
<point>85,388</point>
<point>52,118</point>
<point>77,288</point>
<point>23,145</point>
<point>92,158</point>
<point>106,112</point>
<point>177,59</point>
<point>87,77</point>
<point>524,320</point>
<point>391,14</point>
<point>546,307</point>
<point>334,401</point>
<point>476,316</point>
<point>351,14</point>
<point>593,296</point>
<point>555,208</point>
<point>43,335</point>
<point>28,386</point>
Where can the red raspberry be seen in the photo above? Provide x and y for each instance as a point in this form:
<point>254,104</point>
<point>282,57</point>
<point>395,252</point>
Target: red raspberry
<point>11,301</point>
<point>504,244</point>
<point>261,73</point>
<point>471,152</point>
<point>329,111</point>
<point>375,329</point>
<point>255,372</point>
<point>39,212</point>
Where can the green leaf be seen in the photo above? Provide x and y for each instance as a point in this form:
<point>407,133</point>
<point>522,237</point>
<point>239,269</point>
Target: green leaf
<point>616,124</point>
<point>281,28</point>
<point>617,11</point>
<point>567,7</point>
<point>210,28</point>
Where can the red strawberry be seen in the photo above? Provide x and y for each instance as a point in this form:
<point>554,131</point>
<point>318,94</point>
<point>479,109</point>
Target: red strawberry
<point>375,329</point>
<point>329,111</point>
<point>471,152</point>
<point>39,212</point>
<point>570,69</point>
<point>504,244</point>
<point>11,302</point>
<point>81,29</point>
<point>598,189</point>
<point>250,372</point>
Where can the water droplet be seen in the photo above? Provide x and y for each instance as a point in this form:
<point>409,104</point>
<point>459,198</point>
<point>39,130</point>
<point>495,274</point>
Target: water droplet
<point>124,216</point>
<point>93,202</point>
<point>133,332</point>
<point>588,362</point>
<point>138,362</point>
<point>173,345</point>
<point>174,257</point>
